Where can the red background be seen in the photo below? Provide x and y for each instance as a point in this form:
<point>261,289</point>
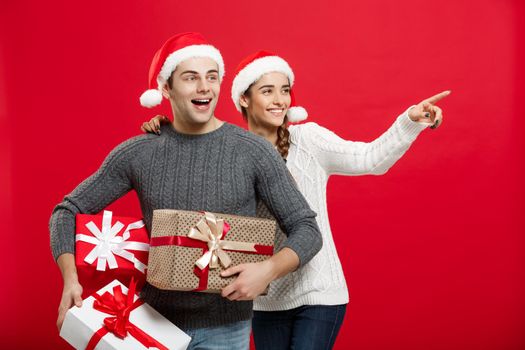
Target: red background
<point>433,251</point>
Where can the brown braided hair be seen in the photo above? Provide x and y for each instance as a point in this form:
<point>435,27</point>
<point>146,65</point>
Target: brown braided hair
<point>283,138</point>
<point>283,134</point>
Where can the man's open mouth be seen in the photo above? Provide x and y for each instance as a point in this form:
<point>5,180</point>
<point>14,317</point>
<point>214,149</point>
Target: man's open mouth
<point>201,102</point>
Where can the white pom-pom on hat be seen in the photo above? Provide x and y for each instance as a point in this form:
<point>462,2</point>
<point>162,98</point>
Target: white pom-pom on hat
<point>151,98</point>
<point>296,114</point>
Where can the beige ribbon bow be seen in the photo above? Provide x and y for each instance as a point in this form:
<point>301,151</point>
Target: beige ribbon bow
<point>209,229</point>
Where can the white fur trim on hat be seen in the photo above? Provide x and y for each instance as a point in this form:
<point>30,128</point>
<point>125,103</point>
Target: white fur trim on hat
<point>296,114</point>
<point>151,98</point>
<point>256,69</point>
<point>188,52</point>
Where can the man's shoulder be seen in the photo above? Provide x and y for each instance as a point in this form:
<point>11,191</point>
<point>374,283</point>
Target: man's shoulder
<point>136,145</point>
<point>256,150</point>
<point>244,138</point>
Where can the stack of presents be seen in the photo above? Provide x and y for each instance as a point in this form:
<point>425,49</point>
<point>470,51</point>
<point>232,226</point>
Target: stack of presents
<point>186,251</point>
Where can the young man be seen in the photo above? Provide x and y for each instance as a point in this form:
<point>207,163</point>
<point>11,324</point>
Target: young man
<point>198,163</point>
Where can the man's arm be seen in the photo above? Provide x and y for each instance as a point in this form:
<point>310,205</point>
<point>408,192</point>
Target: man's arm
<point>72,291</point>
<point>255,277</point>
<point>276,187</point>
<point>110,182</point>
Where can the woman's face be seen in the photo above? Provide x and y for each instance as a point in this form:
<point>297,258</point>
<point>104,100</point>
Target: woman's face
<point>268,100</point>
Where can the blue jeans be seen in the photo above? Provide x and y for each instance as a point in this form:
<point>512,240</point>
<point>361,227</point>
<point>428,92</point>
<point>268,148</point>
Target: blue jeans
<point>233,336</point>
<point>307,327</point>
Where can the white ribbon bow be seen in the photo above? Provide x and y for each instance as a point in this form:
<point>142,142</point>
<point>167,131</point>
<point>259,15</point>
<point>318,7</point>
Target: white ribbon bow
<point>107,244</point>
<point>209,229</point>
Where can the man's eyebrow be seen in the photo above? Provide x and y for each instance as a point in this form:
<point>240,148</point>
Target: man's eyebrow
<point>195,72</point>
<point>189,72</point>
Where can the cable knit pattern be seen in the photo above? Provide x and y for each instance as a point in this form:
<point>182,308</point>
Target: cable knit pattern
<point>315,154</point>
<point>223,171</point>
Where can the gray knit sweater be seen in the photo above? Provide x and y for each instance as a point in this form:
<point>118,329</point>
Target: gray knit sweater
<point>224,171</point>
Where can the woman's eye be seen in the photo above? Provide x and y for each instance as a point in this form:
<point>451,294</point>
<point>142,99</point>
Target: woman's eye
<point>286,91</point>
<point>266,92</point>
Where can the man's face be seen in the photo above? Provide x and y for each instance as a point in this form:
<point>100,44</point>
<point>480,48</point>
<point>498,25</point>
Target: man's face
<point>194,90</point>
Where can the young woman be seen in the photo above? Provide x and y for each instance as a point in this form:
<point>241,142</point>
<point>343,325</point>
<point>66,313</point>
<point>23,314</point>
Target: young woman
<point>305,309</point>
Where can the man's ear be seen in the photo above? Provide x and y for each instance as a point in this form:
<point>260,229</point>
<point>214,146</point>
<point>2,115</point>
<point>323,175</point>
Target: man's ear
<point>243,101</point>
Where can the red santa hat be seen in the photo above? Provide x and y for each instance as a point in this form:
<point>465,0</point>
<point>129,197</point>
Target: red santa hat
<point>254,67</point>
<point>176,49</point>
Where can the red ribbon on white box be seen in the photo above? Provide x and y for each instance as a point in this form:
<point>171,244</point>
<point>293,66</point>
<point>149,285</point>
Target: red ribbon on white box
<point>119,306</point>
<point>108,244</point>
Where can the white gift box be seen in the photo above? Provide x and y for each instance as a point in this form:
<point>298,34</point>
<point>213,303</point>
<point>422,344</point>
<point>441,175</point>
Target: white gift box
<point>81,323</point>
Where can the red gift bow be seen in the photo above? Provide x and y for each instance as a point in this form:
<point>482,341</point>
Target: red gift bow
<point>183,241</point>
<point>120,305</point>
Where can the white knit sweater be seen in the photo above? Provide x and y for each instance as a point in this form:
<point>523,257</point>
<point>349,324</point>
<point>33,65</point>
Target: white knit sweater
<point>316,153</point>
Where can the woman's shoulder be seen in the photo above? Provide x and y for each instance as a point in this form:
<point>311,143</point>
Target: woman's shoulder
<point>299,132</point>
<point>305,128</point>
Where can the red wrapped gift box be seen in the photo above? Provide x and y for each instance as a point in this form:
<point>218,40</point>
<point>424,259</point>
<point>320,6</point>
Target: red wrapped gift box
<point>110,247</point>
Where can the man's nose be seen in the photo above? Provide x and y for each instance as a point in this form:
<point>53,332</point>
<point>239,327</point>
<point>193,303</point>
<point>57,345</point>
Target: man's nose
<point>203,86</point>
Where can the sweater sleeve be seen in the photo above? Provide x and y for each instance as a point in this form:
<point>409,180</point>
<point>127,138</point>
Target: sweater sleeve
<point>110,182</point>
<point>277,189</point>
<point>338,156</point>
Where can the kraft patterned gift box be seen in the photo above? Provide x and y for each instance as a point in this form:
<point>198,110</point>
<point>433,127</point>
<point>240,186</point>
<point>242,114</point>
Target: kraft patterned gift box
<point>189,249</point>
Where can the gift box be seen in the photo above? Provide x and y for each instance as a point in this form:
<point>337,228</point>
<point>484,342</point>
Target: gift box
<point>116,318</point>
<point>110,247</point>
<point>189,249</point>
